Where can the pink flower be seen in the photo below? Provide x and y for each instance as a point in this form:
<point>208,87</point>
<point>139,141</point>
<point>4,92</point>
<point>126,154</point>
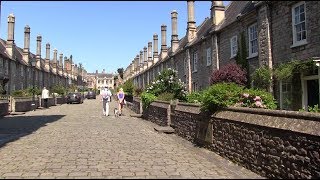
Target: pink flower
<point>257,98</point>
<point>258,104</point>
<point>245,95</point>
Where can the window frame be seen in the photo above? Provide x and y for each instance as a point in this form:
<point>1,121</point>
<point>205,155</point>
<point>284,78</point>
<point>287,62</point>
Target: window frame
<point>194,61</point>
<point>293,22</point>
<point>251,55</point>
<point>209,58</point>
<point>232,55</point>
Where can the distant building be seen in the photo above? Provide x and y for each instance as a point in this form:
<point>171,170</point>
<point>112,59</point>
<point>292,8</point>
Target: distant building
<point>99,80</point>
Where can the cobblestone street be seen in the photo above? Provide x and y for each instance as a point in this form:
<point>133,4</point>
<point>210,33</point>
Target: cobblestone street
<point>76,141</point>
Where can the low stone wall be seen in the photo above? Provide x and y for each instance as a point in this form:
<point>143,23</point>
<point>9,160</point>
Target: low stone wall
<point>4,107</point>
<point>136,105</point>
<point>157,112</point>
<point>24,104</point>
<point>60,100</point>
<point>272,143</point>
<point>51,102</point>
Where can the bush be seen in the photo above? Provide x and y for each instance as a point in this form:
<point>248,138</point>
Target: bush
<point>137,91</point>
<point>261,78</point>
<point>128,87</point>
<point>34,90</point>
<point>166,96</point>
<point>220,95</point>
<point>20,93</point>
<point>229,73</point>
<point>167,82</point>
<point>257,99</point>
<point>147,99</point>
<point>59,89</point>
<point>194,97</point>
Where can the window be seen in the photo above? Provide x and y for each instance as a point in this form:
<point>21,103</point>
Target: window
<point>253,40</point>
<point>286,90</point>
<point>233,46</point>
<point>194,86</point>
<point>194,62</point>
<point>299,24</point>
<point>209,58</point>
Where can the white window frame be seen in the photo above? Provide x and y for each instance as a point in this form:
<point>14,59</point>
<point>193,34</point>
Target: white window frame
<point>253,54</point>
<point>294,32</point>
<point>209,56</point>
<point>195,62</point>
<point>233,46</point>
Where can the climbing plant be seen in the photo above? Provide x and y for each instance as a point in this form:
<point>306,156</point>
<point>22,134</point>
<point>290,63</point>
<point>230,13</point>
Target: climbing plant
<point>241,57</point>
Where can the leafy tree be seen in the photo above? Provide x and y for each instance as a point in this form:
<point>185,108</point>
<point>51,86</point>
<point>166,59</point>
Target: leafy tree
<point>120,72</point>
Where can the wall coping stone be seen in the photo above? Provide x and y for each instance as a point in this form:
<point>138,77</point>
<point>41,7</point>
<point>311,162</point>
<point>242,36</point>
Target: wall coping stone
<point>266,119</point>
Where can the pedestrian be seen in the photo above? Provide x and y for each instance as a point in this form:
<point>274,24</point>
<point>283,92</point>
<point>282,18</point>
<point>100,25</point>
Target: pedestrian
<point>121,101</point>
<point>45,96</point>
<point>105,98</point>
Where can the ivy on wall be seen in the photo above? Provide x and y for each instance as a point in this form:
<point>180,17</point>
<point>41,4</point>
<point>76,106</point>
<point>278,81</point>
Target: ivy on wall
<point>242,55</point>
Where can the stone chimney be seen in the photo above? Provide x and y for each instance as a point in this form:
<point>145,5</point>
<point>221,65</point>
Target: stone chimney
<point>164,49</point>
<point>174,36</point>
<point>97,72</point>
<point>132,68</point>
<point>145,60</point>
<point>141,61</point>
<point>54,61</point>
<point>191,29</point>
<point>47,60</point>
<point>103,71</point>
<point>155,49</point>
<point>149,54</point>
<point>61,63</point>
<point>217,12</point>
<point>26,49</point>
<point>38,55</point>
<point>10,41</point>
<point>136,66</point>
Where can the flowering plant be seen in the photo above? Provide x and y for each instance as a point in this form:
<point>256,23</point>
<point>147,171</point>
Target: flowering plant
<point>167,82</point>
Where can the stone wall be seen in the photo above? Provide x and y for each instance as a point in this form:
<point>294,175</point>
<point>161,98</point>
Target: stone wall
<point>4,105</point>
<point>60,100</point>
<point>136,105</point>
<point>272,143</point>
<point>24,104</point>
<point>157,112</point>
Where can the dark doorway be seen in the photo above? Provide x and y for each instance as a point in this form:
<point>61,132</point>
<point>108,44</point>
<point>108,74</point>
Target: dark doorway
<point>313,92</point>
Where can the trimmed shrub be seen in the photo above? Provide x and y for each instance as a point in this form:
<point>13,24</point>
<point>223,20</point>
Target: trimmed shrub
<point>220,95</point>
<point>147,99</point>
<point>166,96</point>
<point>256,98</point>
<point>261,78</point>
<point>229,73</point>
<point>194,97</point>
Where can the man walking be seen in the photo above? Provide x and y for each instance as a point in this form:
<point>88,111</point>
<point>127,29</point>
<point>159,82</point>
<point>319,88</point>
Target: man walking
<point>105,98</point>
<point>45,96</point>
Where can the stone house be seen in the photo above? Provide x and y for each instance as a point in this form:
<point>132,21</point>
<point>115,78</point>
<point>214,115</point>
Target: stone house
<point>273,33</point>
<point>99,80</point>
<point>16,71</point>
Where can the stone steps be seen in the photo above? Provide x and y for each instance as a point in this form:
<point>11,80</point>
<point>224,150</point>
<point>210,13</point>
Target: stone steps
<point>136,115</point>
<point>164,129</point>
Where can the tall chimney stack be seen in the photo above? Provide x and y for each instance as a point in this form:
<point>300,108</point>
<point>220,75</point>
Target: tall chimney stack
<point>61,62</point>
<point>174,36</point>
<point>141,61</point>
<point>217,12</point>
<point>38,55</point>
<point>155,49</point>
<point>145,59</point>
<point>10,41</point>
<point>164,50</point>
<point>191,29</point>
<point>54,61</point>
<point>149,54</point>
<point>26,49</point>
<point>47,60</point>
<point>136,66</point>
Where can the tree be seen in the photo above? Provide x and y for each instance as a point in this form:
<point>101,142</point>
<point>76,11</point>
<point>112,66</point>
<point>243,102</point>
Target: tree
<point>120,72</point>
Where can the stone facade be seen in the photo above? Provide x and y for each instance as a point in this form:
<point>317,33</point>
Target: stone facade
<point>272,143</point>
<point>99,80</point>
<point>17,73</point>
<point>268,32</point>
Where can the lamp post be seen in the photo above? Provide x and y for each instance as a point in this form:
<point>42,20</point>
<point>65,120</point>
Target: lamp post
<point>33,64</point>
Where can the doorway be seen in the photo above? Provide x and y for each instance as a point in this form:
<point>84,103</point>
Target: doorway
<point>313,92</point>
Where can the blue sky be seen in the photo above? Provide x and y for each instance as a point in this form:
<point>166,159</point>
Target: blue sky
<point>100,34</point>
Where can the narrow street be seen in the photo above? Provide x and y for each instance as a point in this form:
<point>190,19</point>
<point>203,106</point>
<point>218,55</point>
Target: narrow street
<point>76,141</point>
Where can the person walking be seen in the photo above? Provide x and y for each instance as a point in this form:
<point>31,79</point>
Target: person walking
<point>45,96</point>
<point>105,98</point>
<point>120,96</point>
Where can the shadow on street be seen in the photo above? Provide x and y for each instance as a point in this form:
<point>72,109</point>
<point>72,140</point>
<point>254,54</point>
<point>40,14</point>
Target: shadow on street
<point>14,127</point>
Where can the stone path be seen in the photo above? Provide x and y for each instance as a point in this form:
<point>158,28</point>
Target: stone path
<point>76,141</point>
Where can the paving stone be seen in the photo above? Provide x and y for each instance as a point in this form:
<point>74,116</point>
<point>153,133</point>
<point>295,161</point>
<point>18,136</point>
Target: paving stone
<point>74,141</point>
